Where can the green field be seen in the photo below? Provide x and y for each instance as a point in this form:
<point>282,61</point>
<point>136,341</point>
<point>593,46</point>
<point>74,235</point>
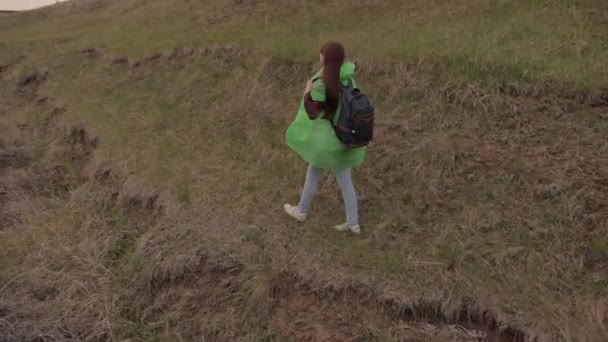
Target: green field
<point>143,171</point>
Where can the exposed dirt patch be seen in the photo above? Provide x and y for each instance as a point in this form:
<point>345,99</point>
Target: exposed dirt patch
<point>181,283</point>
<point>116,60</point>
<point>305,317</point>
<point>27,188</point>
<point>227,54</point>
<point>559,91</point>
<point>30,189</point>
<point>32,79</point>
<point>92,52</point>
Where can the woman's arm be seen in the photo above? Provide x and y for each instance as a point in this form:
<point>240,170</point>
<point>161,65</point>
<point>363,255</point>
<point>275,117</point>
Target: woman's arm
<point>313,108</point>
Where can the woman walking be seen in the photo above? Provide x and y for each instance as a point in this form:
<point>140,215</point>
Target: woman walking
<point>312,136</point>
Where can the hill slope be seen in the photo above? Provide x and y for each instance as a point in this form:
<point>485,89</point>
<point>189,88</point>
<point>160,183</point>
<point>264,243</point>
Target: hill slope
<point>143,171</point>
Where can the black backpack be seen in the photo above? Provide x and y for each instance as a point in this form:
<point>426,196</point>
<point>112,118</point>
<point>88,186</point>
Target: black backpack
<point>354,125</point>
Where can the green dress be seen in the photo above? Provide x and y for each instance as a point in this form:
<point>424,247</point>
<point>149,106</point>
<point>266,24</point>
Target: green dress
<point>315,140</point>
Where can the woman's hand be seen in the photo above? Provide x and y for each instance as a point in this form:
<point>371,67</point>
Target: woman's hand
<point>308,86</point>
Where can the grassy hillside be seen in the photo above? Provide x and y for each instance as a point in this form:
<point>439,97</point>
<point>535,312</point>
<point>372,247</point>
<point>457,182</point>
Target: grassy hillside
<point>143,171</point>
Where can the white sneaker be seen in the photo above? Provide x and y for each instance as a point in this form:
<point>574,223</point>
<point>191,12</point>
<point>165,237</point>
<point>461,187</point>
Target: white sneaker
<point>355,229</point>
<point>294,212</point>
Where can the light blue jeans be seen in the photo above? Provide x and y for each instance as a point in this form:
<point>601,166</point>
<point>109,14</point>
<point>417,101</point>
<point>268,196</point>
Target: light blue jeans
<point>345,181</point>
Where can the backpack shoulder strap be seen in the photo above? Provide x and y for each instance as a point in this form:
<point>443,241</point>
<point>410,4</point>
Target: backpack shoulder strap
<point>347,90</point>
<point>348,85</point>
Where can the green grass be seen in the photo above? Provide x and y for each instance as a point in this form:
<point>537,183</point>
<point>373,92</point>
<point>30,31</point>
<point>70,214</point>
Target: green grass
<point>539,39</point>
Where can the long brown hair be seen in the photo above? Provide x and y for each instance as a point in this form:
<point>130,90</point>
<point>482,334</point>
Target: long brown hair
<point>333,58</point>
